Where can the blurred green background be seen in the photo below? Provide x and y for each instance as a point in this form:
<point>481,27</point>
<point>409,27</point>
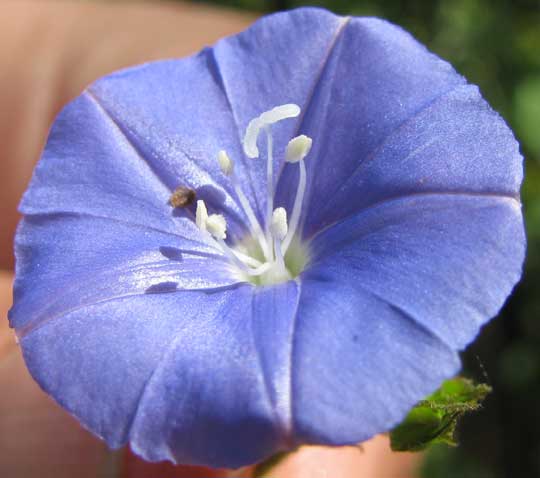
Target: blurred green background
<point>496,45</point>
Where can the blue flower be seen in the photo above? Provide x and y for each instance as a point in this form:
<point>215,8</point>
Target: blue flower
<point>273,311</point>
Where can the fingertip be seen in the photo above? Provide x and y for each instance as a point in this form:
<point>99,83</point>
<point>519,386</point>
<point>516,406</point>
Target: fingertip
<point>135,467</point>
<point>7,336</point>
<point>372,459</point>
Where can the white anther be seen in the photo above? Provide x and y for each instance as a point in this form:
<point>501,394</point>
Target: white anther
<point>201,215</point>
<point>267,118</point>
<point>225,163</point>
<point>278,226</point>
<point>298,148</point>
<point>217,226</point>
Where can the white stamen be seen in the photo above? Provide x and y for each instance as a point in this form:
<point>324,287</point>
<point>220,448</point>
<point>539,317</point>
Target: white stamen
<point>265,119</point>
<point>227,167</point>
<point>297,208</point>
<point>281,269</point>
<point>256,228</point>
<point>232,255</point>
<point>298,148</point>
<point>278,226</point>
<point>269,183</point>
<point>248,260</point>
<point>201,215</point>
<point>259,270</point>
<point>217,226</point>
<point>275,239</point>
<point>225,163</point>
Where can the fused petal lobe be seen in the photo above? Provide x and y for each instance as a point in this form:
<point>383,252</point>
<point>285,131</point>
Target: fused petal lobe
<point>221,395</point>
<point>67,262</point>
<point>390,295</point>
<point>447,260</point>
<point>359,364</point>
<point>96,361</point>
<point>278,60</point>
<point>456,144</point>
<point>89,167</point>
<point>390,118</point>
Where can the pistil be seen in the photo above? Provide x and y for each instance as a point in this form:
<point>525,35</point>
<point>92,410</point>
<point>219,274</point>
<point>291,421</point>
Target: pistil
<point>278,228</point>
<point>269,182</point>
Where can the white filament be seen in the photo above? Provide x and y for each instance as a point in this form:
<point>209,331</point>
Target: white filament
<point>269,182</point>
<point>232,255</point>
<point>256,229</point>
<point>227,167</point>
<point>248,260</point>
<point>215,230</point>
<point>297,208</point>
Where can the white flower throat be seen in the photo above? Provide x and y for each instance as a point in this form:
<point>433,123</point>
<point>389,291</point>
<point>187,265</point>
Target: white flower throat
<point>272,253</point>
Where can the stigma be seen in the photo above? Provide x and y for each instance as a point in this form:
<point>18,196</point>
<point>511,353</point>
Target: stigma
<point>272,251</point>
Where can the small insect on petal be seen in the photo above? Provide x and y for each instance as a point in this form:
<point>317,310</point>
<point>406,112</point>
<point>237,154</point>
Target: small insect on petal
<point>182,197</point>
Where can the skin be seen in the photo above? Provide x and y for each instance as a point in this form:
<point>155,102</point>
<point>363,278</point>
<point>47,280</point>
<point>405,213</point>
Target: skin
<point>49,51</point>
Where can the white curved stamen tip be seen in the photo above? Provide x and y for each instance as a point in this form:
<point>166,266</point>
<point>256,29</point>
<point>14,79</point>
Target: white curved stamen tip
<point>272,116</point>
<point>201,215</point>
<point>279,226</point>
<point>217,226</point>
<point>225,163</point>
<point>298,148</point>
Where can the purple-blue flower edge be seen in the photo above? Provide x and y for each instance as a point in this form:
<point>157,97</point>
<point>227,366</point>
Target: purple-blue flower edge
<point>136,326</point>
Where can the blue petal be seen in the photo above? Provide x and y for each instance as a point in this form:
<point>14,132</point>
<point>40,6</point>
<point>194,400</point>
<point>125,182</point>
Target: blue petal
<point>359,363</point>
<point>390,118</point>
<point>221,396</point>
<point>278,60</point>
<point>390,295</point>
<point>89,167</point>
<point>192,377</point>
<point>96,360</point>
<point>270,368</point>
<point>126,143</point>
<point>68,261</point>
<point>175,114</point>
<point>448,261</point>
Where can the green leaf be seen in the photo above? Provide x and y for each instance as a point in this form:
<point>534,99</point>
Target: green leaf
<point>434,419</point>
